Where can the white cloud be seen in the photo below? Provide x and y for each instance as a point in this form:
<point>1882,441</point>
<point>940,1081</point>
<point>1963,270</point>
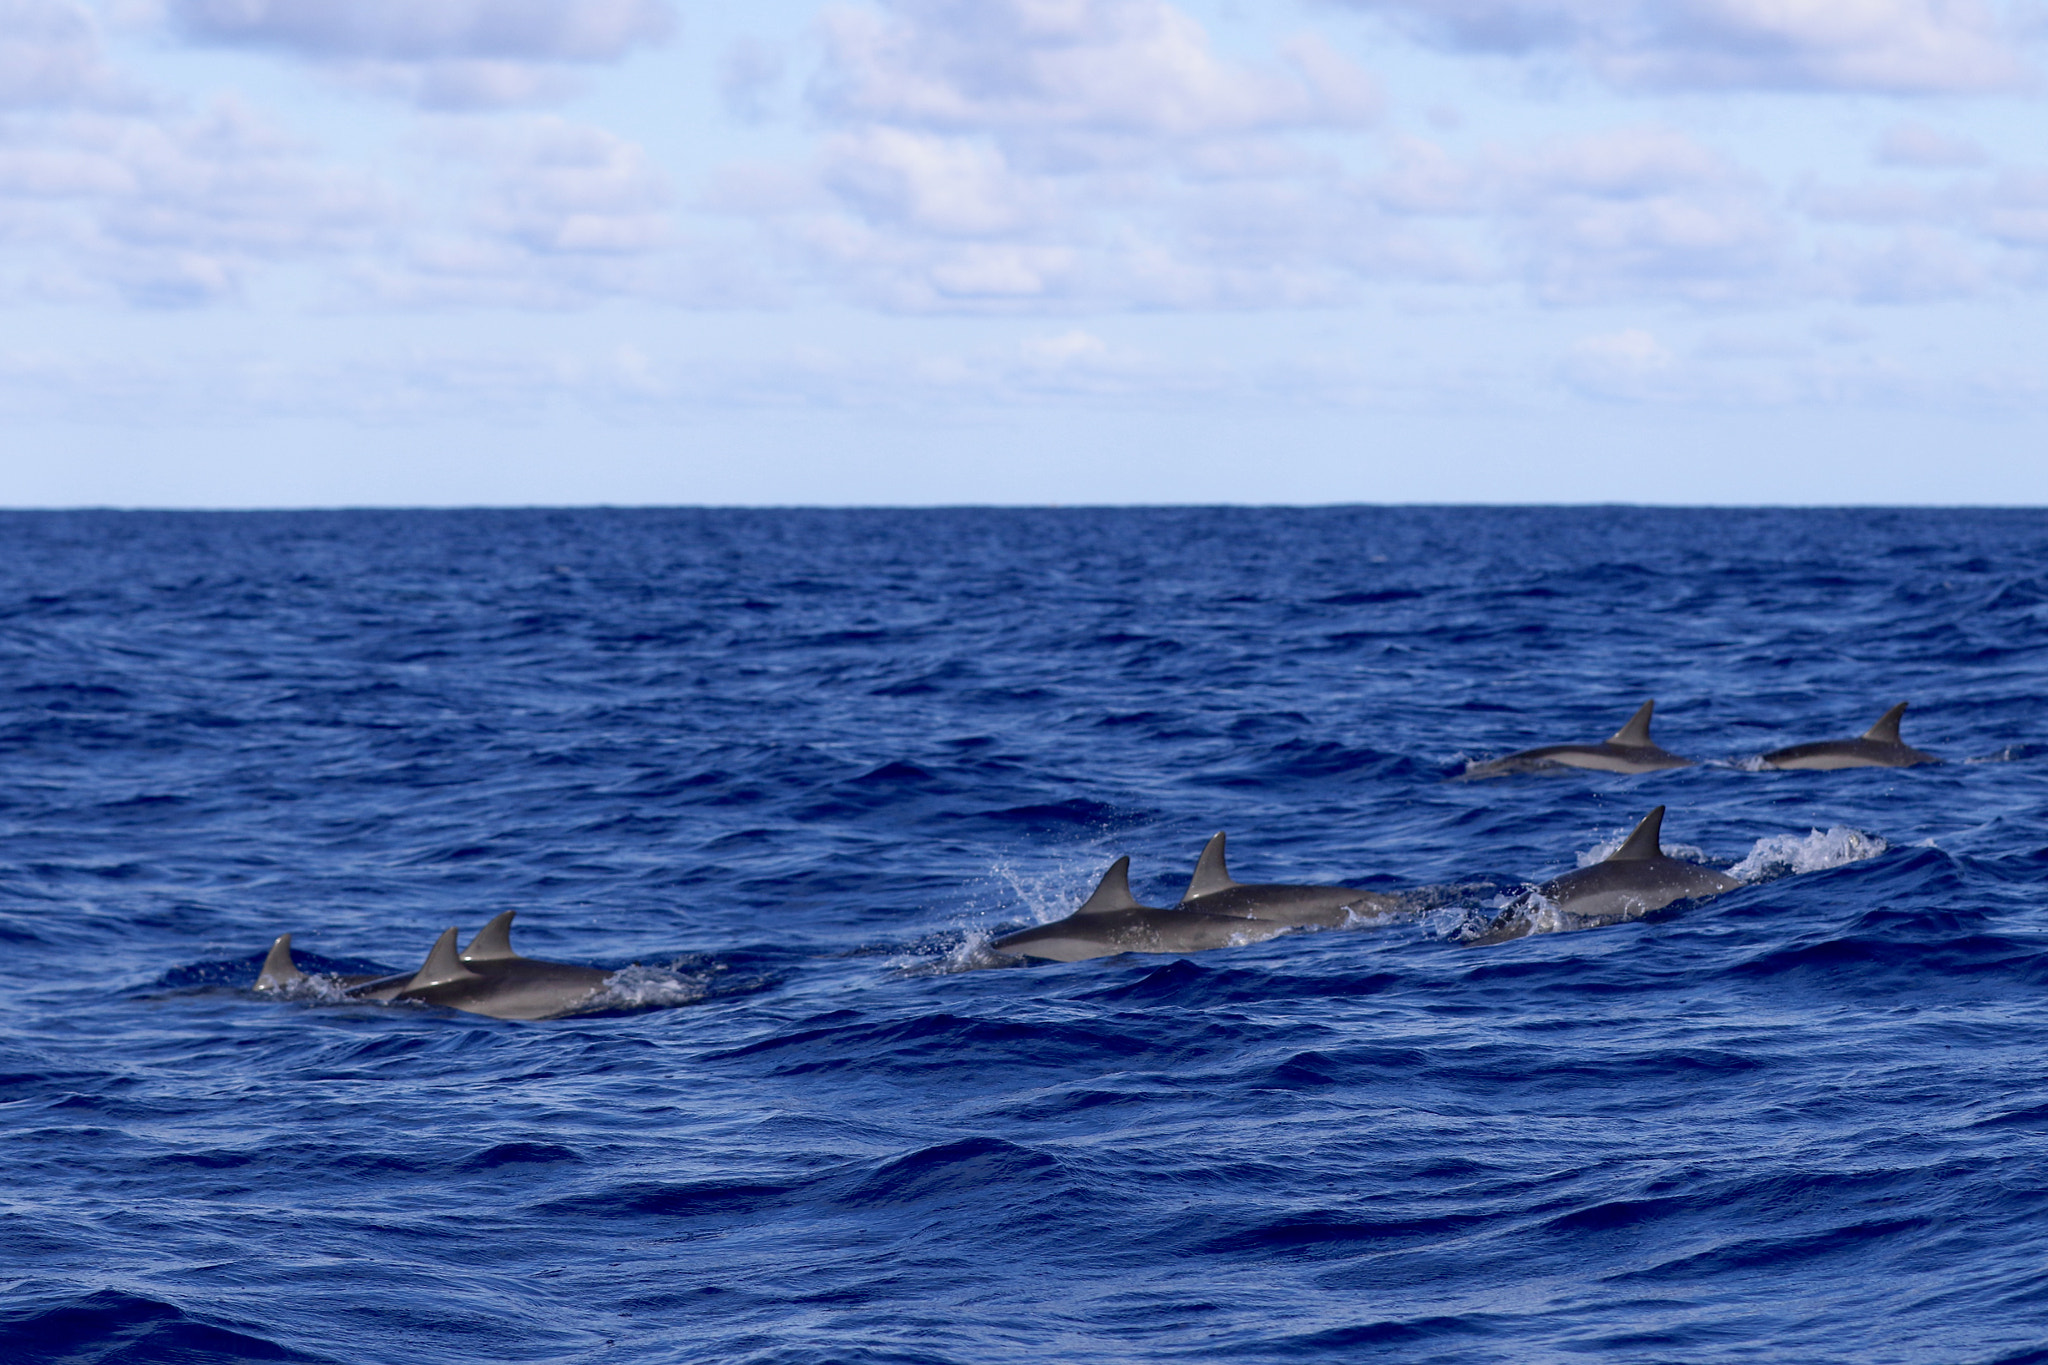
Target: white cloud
<point>460,85</point>
<point>560,187</point>
<point>437,53</point>
<point>539,212</point>
<point>50,55</point>
<point>1889,46</point>
<point>172,211</point>
<point>1065,153</point>
<point>141,200</point>
<point>1633,213</point>
<point>946,186</point>
<point>1630,365</point>
<point>2017,212</point>
<point>1108,66</point>
<point>426,30</point>
<point>747,78</point>
<point>1924,148</point>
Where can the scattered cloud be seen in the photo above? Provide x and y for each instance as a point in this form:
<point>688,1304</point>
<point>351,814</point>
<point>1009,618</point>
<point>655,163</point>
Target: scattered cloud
<point>1135,67</point>
<point>747,78</point>
<point>172,211</point>
<point>556,187</point>
<point>1066,153</point>
<point>538,211</point>
<point>1924,148</point>
<point>1631,365</point>
<point>1880,46</point>
<point>1045,158</point>
<point>429,30</point>
<point>1634,212</point>
<point>437,53</point>
<point>50,55</point>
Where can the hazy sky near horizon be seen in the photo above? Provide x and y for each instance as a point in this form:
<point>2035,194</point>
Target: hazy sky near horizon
<point>292,252</point>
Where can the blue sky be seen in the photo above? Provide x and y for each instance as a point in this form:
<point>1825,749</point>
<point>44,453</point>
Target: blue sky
<point>316,252</point>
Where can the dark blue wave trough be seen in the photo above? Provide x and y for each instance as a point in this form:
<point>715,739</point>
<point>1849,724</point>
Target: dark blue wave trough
<point>791,770</point>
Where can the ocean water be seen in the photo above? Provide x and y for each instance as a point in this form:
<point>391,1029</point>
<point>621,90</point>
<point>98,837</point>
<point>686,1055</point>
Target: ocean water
<point>790,770</point>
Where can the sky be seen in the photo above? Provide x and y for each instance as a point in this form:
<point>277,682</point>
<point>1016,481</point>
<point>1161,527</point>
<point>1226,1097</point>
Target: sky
<point>474,252</point>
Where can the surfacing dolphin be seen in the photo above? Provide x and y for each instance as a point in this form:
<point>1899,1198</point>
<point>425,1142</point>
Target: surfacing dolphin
<point>1212,892</point>
<point>280,973</point>
<point>1112,921</point>
<point>1628,750</point>
<point>488,978</point>
<point>1879,747</point>
<point>1632,881</point>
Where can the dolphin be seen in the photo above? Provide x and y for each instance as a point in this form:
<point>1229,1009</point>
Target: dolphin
<point>1112,921</point>
<point>280,973</point>
<point>1633,880</point>
<point>1880,747</point>
<point>487,977</point>
<point>1628,750</point>
<point>1212,892</point>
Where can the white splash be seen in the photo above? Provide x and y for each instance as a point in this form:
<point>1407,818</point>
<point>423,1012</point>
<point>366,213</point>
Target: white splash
<point>970,954</point>
<point>1525,907</point>
<point>314,988</point>
<point>641,987</point>
<point>1051,894</point>
<point>1779,855</point>
<point>1372,915</point>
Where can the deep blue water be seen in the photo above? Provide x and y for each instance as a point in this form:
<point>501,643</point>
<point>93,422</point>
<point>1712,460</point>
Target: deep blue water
<point>799,766</point>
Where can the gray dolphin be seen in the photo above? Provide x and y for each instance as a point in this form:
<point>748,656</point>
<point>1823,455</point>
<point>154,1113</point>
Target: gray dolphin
<point>1628,750</point>
<point>280,973</point>
<point>487,977</point>
<point>1112,921</point>
<point>1879,747</point>
<point>1212,892</point>
<point>1632,881</point>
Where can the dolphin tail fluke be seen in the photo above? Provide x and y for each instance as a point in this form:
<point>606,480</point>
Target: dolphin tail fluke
<point>1642,845</point>
<point>1113,892</point>
<point>1636,734</point>
<point>1886,731</point>
<point>493,942</point>
<point>279,971</point>
<point>1211,874</point>
<point>442,967</point>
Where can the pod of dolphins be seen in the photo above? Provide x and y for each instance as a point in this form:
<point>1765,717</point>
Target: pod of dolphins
<point>489,978</point>
<point>1631,750</point>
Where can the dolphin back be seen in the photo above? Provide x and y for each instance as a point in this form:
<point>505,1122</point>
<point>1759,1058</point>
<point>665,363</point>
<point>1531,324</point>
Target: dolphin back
<point>1642,843</point>
<point>1877,747</point>
<point>279,971</point>
<point>1886,731</point>
<point>1636,734</point>
<point>1212,874</point>
<point>1113,892</point>
<point>493,942</point>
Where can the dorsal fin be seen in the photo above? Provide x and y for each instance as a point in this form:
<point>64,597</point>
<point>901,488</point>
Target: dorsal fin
<point>1886,731</point>
<point>1211,874</point>
<point>442,966</point>
<point>493,942</point>
<point>1636,734</point>
<point>279,971</point>
<point>1642,845</point>
<point>1113,892</point>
